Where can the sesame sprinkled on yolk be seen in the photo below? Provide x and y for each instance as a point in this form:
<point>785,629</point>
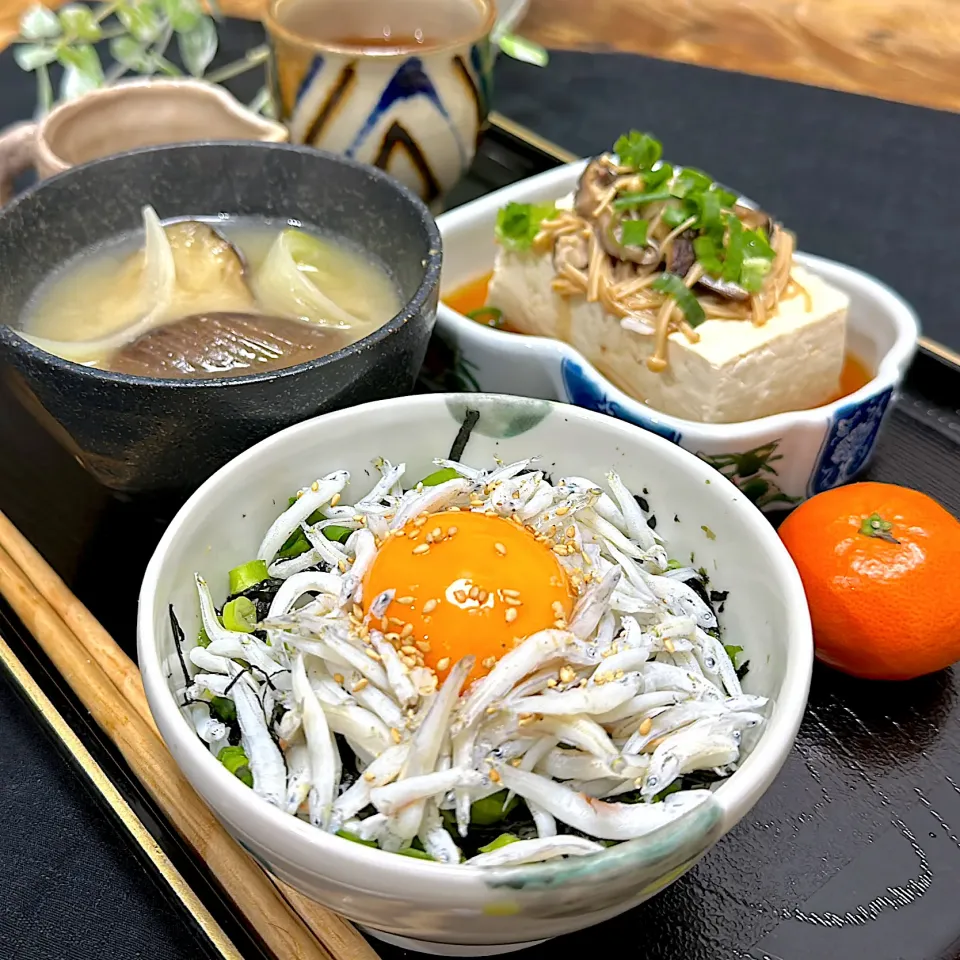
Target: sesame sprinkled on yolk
<point>492,583</point>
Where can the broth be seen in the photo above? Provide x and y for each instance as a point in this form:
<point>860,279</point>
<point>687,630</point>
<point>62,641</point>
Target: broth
<point>232,296</point>
<point>472,298</point>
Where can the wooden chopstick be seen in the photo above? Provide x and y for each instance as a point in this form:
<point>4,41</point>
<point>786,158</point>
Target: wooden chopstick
<point>108,683</point>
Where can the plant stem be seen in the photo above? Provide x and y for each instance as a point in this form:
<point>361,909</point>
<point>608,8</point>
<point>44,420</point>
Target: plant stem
<point>252,58</point>
<point>44,89</point>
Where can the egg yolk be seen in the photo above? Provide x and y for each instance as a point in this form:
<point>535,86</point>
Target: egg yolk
<point>466,583</point>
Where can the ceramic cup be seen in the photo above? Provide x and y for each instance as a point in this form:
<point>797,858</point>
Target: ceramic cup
<point>128,115</point>
<point>400,84</point>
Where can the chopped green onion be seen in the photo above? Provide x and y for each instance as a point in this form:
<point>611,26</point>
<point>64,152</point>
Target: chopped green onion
<point>690,181</point>
<point>353,838</point>
<point>489,316</point>
<point>235,760</point>
<point>673,286</point>
<point>656,178</point>
<point>336,533</point>
<point>753,272</point>
<point>202,639</point>
<point>666,791</point>
<point>491,809</point>
<point>633,233</point>
<point>296,544</point>
<point>440,476</point>
<point>504,840</point>
<point>708,209</point>
<point>674,216</point>
<point>674,564</point>
<point>240,615</point>
<point>629,201</point>
<point>524,50</point>
<point>708,254</point>
<point>733,260</point>
<point>519,223</point>
<point>247,575</point>
<point>638,150</point>
<point>224,710</point>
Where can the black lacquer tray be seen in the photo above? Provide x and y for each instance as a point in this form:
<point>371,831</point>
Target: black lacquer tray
<point>852,853</point>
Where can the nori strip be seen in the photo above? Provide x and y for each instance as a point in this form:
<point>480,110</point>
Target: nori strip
<point>260,594</point>
<point>178,639</point>
<point>471,419</point>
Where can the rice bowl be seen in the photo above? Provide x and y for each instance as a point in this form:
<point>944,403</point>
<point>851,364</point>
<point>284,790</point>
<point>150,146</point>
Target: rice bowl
<point>489,904</point>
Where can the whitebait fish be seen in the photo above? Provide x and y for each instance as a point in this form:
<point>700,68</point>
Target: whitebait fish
<point>483,666</point>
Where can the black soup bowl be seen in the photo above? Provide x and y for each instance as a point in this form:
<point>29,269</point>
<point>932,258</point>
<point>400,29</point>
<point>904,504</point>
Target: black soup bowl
<point>143,435</point>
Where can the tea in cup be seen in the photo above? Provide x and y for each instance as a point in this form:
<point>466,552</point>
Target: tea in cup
<point>400,84</point>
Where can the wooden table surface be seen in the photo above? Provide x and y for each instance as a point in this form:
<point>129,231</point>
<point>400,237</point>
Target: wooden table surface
<point>905,50</point>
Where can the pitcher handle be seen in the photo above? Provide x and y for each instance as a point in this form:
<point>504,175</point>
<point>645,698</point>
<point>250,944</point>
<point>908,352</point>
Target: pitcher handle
<point>17,148</point>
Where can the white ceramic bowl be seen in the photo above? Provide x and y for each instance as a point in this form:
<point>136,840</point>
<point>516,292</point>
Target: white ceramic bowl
<point>777,461</point>
<point>466,910</point>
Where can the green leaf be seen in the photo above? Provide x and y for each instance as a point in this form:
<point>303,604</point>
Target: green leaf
<point>202,639</point>
<point>733,651</point>
<point>673,216</point>
<point>638,150</point>
<point>130,53</point>
<point>658,177</point>
<point>224,710</point>
<point>491,809</point>
<point>633,233</point>
<point>708,253</point>
<point>690,180</point>
<point>504,840</point>
<point>674,287</point>
<point>141,18</point>
<point>440,476</point>
<point>235,760</point>
<point>416,854</point>
<point>39,23</point>
<point>29,56</point>
<point>353,838</point>
<point>666,791</point>
<point>198,46</point>
<point>519,223</point>
<point>82,71</point>
<point>183,15</point>
<point>78,21</point>
<point>526,51</point>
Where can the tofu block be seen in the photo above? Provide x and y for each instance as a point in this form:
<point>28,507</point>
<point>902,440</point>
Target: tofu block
<point>736,372</point>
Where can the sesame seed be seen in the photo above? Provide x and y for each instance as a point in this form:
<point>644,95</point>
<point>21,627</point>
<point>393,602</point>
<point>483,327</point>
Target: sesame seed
<point>619,675</point>
<point>530,528</point>
<point>638,783</point>
<point>560,623</point>
<point>460,596</point>
<point>500,548</point>
<point>482,596</point>
<point>423,548</point>
<point>335,499</point>
<point>552,682</point>
<point>567,674</point>
<point>453,510</point>
<point>669,646</point>
<point>430,606</point>
<point>358,611</point>
<point>413,534</point>
<point>373,655</point>
<point>474,592</point>
<point>436,533</point>
<point>644,727</point>
<point>488,662</point>
<point>338,677</point>
<point>399,532</point>
<point>315,486</point>
<point>653,744</point>
<point>513,601</point>
<point>494,776</point>
<point>476,502</point>
<point>409,650</point>
<point>393,637</point>
<point>443,663</point>
<point>369,777</point>
<point>562,511</point>
<point>360,684</point>
<point>429,538</point>
<point>342,566</point>
<point>420,521</point>
<point>571,532</point>
<point>510,593</point>
<point>552,532</point>
<point>511,614</point>
<point>359,518</point>
<point>423,646</point>
<point>406,601</point>
<point>299,494</point>
<point>407,630</point>
<point>573,547</point>
<point>408,662</point>
<point>516,761</point>
<point>559,549</point>
<point>557,608</point>
<point>395,734</point>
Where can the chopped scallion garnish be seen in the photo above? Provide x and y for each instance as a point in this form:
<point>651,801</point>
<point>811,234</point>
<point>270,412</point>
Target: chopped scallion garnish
<point>236,761</point>
<point>633,233</point>
<point>638,150</point>
<point>519,223</point>
<point>504,840</point>
<point>240,615</point>
<point>440,476</point>
<point>629,201</point>
<point>673,286</point>
<point>247,575</point>
<point>489,316</point>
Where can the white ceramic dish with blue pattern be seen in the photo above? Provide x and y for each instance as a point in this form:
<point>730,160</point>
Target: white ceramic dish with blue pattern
<point>777,461</point>
<point>461,910</point>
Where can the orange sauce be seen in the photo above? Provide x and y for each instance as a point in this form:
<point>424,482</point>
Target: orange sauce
<point>473,295</point>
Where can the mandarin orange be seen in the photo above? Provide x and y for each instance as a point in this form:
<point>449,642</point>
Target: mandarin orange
<point>879,565</point>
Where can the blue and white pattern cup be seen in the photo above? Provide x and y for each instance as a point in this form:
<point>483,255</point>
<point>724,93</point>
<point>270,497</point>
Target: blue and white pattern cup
<point>403,85</point>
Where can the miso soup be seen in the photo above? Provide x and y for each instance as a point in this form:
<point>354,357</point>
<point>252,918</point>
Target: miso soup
<point>210,297</point>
